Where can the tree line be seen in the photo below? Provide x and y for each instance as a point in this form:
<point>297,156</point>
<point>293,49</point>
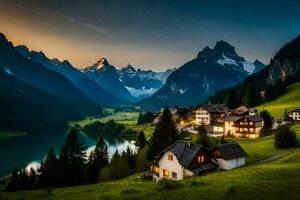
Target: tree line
<point>73,167</point>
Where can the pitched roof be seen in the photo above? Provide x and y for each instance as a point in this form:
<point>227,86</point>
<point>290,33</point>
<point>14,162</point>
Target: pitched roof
<point>214,108</point>
<point>230,151</point>
<point>183,150</point>
<point>254,118</point>
<point>296,110</point>
<point>231,118</point>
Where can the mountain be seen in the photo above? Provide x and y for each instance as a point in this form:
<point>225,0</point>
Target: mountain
<point>284,69</point>
<point>36,75</point>
<point>87,86</point>
<point>107,77</point>
<point>191,84</point>
<point>142,83</point>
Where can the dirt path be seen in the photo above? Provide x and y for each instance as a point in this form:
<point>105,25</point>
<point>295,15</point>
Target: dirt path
<point>271,158</point>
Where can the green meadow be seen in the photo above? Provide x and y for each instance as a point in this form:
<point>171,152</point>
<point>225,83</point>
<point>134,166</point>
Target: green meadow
<point>289,101</point>
<point>278,179</point>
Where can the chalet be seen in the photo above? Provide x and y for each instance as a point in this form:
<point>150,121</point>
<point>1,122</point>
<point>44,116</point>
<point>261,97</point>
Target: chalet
<point>229,156</point>
<point>295,114</point>
<point>248,126</point>
<point>206,113</point>
<point>216,128</point>
<point>180,160</point>
<point>229,125</point>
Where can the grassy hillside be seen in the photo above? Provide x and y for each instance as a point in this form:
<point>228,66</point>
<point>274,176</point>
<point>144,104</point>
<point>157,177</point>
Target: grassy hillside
<point>290,100</point>
<point>129,119</point>
<point>279,179</point>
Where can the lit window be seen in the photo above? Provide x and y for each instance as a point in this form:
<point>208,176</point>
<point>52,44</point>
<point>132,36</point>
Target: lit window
<point>251,130</point>
<point>200,159</point>
<point>166,173</point>
<point>245,130</point>
<point>170,157</point>
<point>241,123</point>
<point>174,175</point>
<point>250,123</point>
<point>245,123</point>
<point>156,170</point>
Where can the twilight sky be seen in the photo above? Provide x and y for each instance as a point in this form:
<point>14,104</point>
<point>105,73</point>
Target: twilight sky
<point>148,34</point>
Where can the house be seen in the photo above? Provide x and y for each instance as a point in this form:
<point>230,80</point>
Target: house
<point>180,160</point>
<point>229,156</point>
<point>216,128</point>
<point>206,113</point>
<point>229,125</point>
<point>295,114</point>
<point>248,126</point>
<point>243,110</point>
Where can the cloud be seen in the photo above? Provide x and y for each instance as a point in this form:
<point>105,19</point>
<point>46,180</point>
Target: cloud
<point>98,29</point>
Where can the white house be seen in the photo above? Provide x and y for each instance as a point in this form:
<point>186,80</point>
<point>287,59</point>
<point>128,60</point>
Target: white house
<point>180,160</point>
<point>295,114</point>
<point>206,113</point>
<point>229,156</point>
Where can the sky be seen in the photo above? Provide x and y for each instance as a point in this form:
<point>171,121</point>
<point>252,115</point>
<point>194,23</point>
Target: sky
<point>149,34</point>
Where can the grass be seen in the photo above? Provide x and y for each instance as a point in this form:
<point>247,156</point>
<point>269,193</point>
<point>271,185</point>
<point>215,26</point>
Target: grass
<point>279,179</point>
<point>129,119</point>
<point>7,134</point>
<point>290,100</point>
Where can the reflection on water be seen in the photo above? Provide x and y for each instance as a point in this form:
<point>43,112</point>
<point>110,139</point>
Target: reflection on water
<point>29,150</point>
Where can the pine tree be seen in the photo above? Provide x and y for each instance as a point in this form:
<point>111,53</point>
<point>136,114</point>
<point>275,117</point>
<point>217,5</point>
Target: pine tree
<point>72,161</point>
<point>251,97</point>
<point>130,157</point>
<point>279,88</point>
<point>32,179</point>
<point>48,172</point>
<point>13,183</point>
<point>97,160</point>
<point>231,100</point>
<point>202,136</point>
<point>141,140</point>
<point>165,134</point>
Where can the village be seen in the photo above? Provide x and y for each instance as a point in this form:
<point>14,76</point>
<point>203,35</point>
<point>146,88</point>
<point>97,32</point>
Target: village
<point>185,159</point>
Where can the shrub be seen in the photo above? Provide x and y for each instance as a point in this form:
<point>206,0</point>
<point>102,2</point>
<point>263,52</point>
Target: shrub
<point>265,132</point>
<point>285,137</point>
<point>168,184</point>
<point>230,187</point>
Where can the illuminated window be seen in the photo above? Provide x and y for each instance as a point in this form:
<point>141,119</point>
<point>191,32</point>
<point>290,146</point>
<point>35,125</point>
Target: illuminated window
<point>250,123</point>
<point>251,130</point>
<point>241,123</point>
<point>200,159</point>
<point>174,175</point>
<point>245,130</point>
<point>241,129</point>
<point>156,170</point>
<point>166,173</point>
<point>170,157</point>
<point>245,123</point>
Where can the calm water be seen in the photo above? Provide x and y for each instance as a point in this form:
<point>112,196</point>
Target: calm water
<point>18,152</point>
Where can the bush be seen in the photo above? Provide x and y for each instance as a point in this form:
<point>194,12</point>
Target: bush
<point>168,184</point>
<point>265,132</point>
<point>285,137</point>
<point>230,187</point>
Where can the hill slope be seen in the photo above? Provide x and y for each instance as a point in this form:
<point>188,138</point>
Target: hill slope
<point>290,100</point>
<point>276,180</point>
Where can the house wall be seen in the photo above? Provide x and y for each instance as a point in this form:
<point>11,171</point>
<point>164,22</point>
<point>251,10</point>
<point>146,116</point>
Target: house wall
<point>295,116</point>
<point>243,128</point>
<point>230,164</point>
<point>229,128</point>
<point>172,166</point>
<point>202,117</point>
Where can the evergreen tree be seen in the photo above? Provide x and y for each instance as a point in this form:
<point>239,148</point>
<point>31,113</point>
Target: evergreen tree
<point>32,179</point>
<point>48,172</point>
<point>130,157</point>
<point>141,140</point>
<point>252,96</point>
<point>13,183</point>
<point>270,93</point>
<point>119,167</point>
<point>268,119</point>
<point>285,137</point>
<point>202,138</point>
<point>23,180</point>
<point>279,88</point>
<point>165,134</point>
<point>72,161</point>
<point>231,100</point>
<point>97,160</point>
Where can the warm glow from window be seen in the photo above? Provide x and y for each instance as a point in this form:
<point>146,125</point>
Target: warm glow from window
<point>200,159</point>
<point>170,157</point>
<point>156,170</point>
<point>251,123</point>
<point>251,130</point>
<point>166,173</point>
<point>241,123</point>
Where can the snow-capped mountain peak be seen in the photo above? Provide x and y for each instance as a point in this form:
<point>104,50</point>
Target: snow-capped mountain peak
<point>102,62</point>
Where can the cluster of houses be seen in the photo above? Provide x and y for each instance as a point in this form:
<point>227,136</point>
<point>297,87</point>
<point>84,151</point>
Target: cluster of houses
<point>239,122</point>
<point>184,159</point>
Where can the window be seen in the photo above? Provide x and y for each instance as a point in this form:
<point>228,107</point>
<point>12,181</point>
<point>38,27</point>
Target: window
<point>251,130</point>
<point>200,159</point>
<point>174,175</point>
<point>251,123</point>
<point>165,173</point>
<point>245,130</point>
<point>170,157</point>
<point>241,123</point>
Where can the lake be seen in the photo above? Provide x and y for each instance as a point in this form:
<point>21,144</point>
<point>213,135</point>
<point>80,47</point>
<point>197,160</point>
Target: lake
<point>29,150</point>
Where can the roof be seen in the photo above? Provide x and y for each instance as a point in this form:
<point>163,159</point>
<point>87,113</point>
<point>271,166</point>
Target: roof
<point>231,118</point>
<point>254,118</point>
<point>230,151</point>
<point>296,110</point>
<point>214,108</point>
<point>183,150</point>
